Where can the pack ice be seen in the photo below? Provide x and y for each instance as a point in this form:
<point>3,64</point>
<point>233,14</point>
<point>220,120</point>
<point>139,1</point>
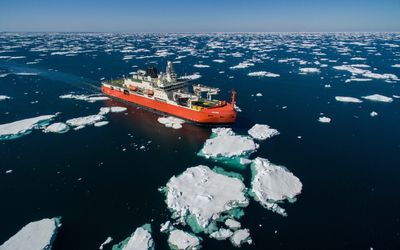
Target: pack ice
<point>37,235</point>
<point>181,240</point>
<point>262,132</point>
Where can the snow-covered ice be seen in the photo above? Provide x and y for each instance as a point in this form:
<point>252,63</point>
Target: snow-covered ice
<point>378,98</point>
<point>221,234</point>
<point>373,114</point>
<point>101,123</point>
<point>37,235</point>
<point>324,119</point>
<point>272,183</point>
<point>242,65</point>
<point>347,99</point>
<point>181,240</point>
<point>263,74</point>
<point>201,66</point>
<point>171,122</point>
<point>87,98</point>
<point>190,77</point>
<point>309,70</point>
<point>262,132</point>
<point>233,224</point>
<point>81,122</point>
<point>241,236</point>
<point>140,239</point>
<point>225,143</point>
<point>4,97</point>
<point>203,195</point>
<point>58,127</point>
<point>107,241</point>
<point>19,128</point>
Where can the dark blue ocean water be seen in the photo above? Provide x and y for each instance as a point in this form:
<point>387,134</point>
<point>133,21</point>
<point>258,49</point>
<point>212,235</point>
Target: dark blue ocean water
<point>103,184</point>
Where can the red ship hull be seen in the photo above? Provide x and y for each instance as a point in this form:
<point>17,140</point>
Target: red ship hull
<point>217,115</point>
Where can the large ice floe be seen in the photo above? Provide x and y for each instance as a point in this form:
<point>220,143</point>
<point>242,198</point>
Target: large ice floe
<point>171,122</point>
<point>262,132</point>
<point>86,98</point>
<point>182,240</point>
<point>140,239</point>
<point>200,197</point>
<point>263,74</point>
<point>224,145</point>
<point>23,127</point>
<point>347,99</point>
<point>272,184</point>
<point>378,98</point>
<point>241,236</point>
<point>37,235</point>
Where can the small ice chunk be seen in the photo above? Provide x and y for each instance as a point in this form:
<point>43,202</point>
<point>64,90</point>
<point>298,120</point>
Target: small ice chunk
<point>19,128</point>
<point>181,240</point>
<point>396,65</point>
<point>140,239</point>
<point>4,97</point>
<point>107,241</point>
<point>82,122</point>
<point>347,99</point>
<point>378,98</point>
<point>87,98</point>
<point>242,65</point>
<point>233,224</point>
<point>324,119</point>
<point>101,123</point>
<point>259,94</point>
<point>219,60</point>
<point>190,77</point>
<point>262,132</point>
<point>373,114</point>
<point>58,127</point>
<point>225,143</point>
<point>201,66</point>
<point>241,236</point>
<point>9,171</point>
<point>166,227</point>
<point>37,235</point>
<point>263,74</point>
<point>171,122</point>
<point>221,234</point>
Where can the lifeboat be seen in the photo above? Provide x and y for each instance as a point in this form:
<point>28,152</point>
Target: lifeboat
<point>149,92</point>
<point>133,88</point>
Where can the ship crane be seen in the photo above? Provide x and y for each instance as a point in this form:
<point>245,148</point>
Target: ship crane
<point>198,89</point>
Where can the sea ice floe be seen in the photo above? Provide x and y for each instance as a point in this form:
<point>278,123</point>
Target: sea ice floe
<point>4,97</point>
<point>37,235</point>
<point>166,227</point>
<point>58,127</point>
<point>107,241</point>
<point>171,122</point>
<point>357,70</point>
<point>272,184</point>
<point>378,98</point>
<point>309,70</point>
<point>181,240</point>
<point>262,132</point>
<point>115,109</point>
<point>221,234</point>
<point>81,122</point>
<point>219,60</point>
<point>190,77</point>
<point>140,239</point>
<point>259,94</point>
<point>101,123</point>
<point>373,114</point>
<point>87,98</point>
<point>242,65</point>
<point>233,224</point>
<point>263,74</point>
<point>201,66</point>
<point>347,99</point>
<point>396,65</point>
<point>324,119</point>
<point>224,145</point>
<point>19,128</point>
<point>241,236</point>
<point>200,196</point>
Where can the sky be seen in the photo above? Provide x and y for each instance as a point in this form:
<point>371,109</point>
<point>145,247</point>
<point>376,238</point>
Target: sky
<point>200,15</point>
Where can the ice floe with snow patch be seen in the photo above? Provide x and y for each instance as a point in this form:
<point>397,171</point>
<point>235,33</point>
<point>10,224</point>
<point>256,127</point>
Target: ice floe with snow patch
<point>37,235</point>
<point>221,234</point>
<point>171,122</point>
<point>114,109</point>
<point>324,119</point>
<point>347,99</point>
<point>263,74</point>
<point>23,127</point>
<point>242,65</point>
<point>225,146</point>
<point>241,236</point>
<point>272,184</point>
<point>262,132</point>
<point>140,239</point>
<point>58,127</point>
<point>86,98</point>
<point>378,98</point>
<point>81,122</point>
<point>200,196</point>
<point>182,240</point>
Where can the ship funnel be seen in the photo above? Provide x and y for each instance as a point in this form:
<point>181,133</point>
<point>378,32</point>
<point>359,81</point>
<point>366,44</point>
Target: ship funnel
<point>171,75</point>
